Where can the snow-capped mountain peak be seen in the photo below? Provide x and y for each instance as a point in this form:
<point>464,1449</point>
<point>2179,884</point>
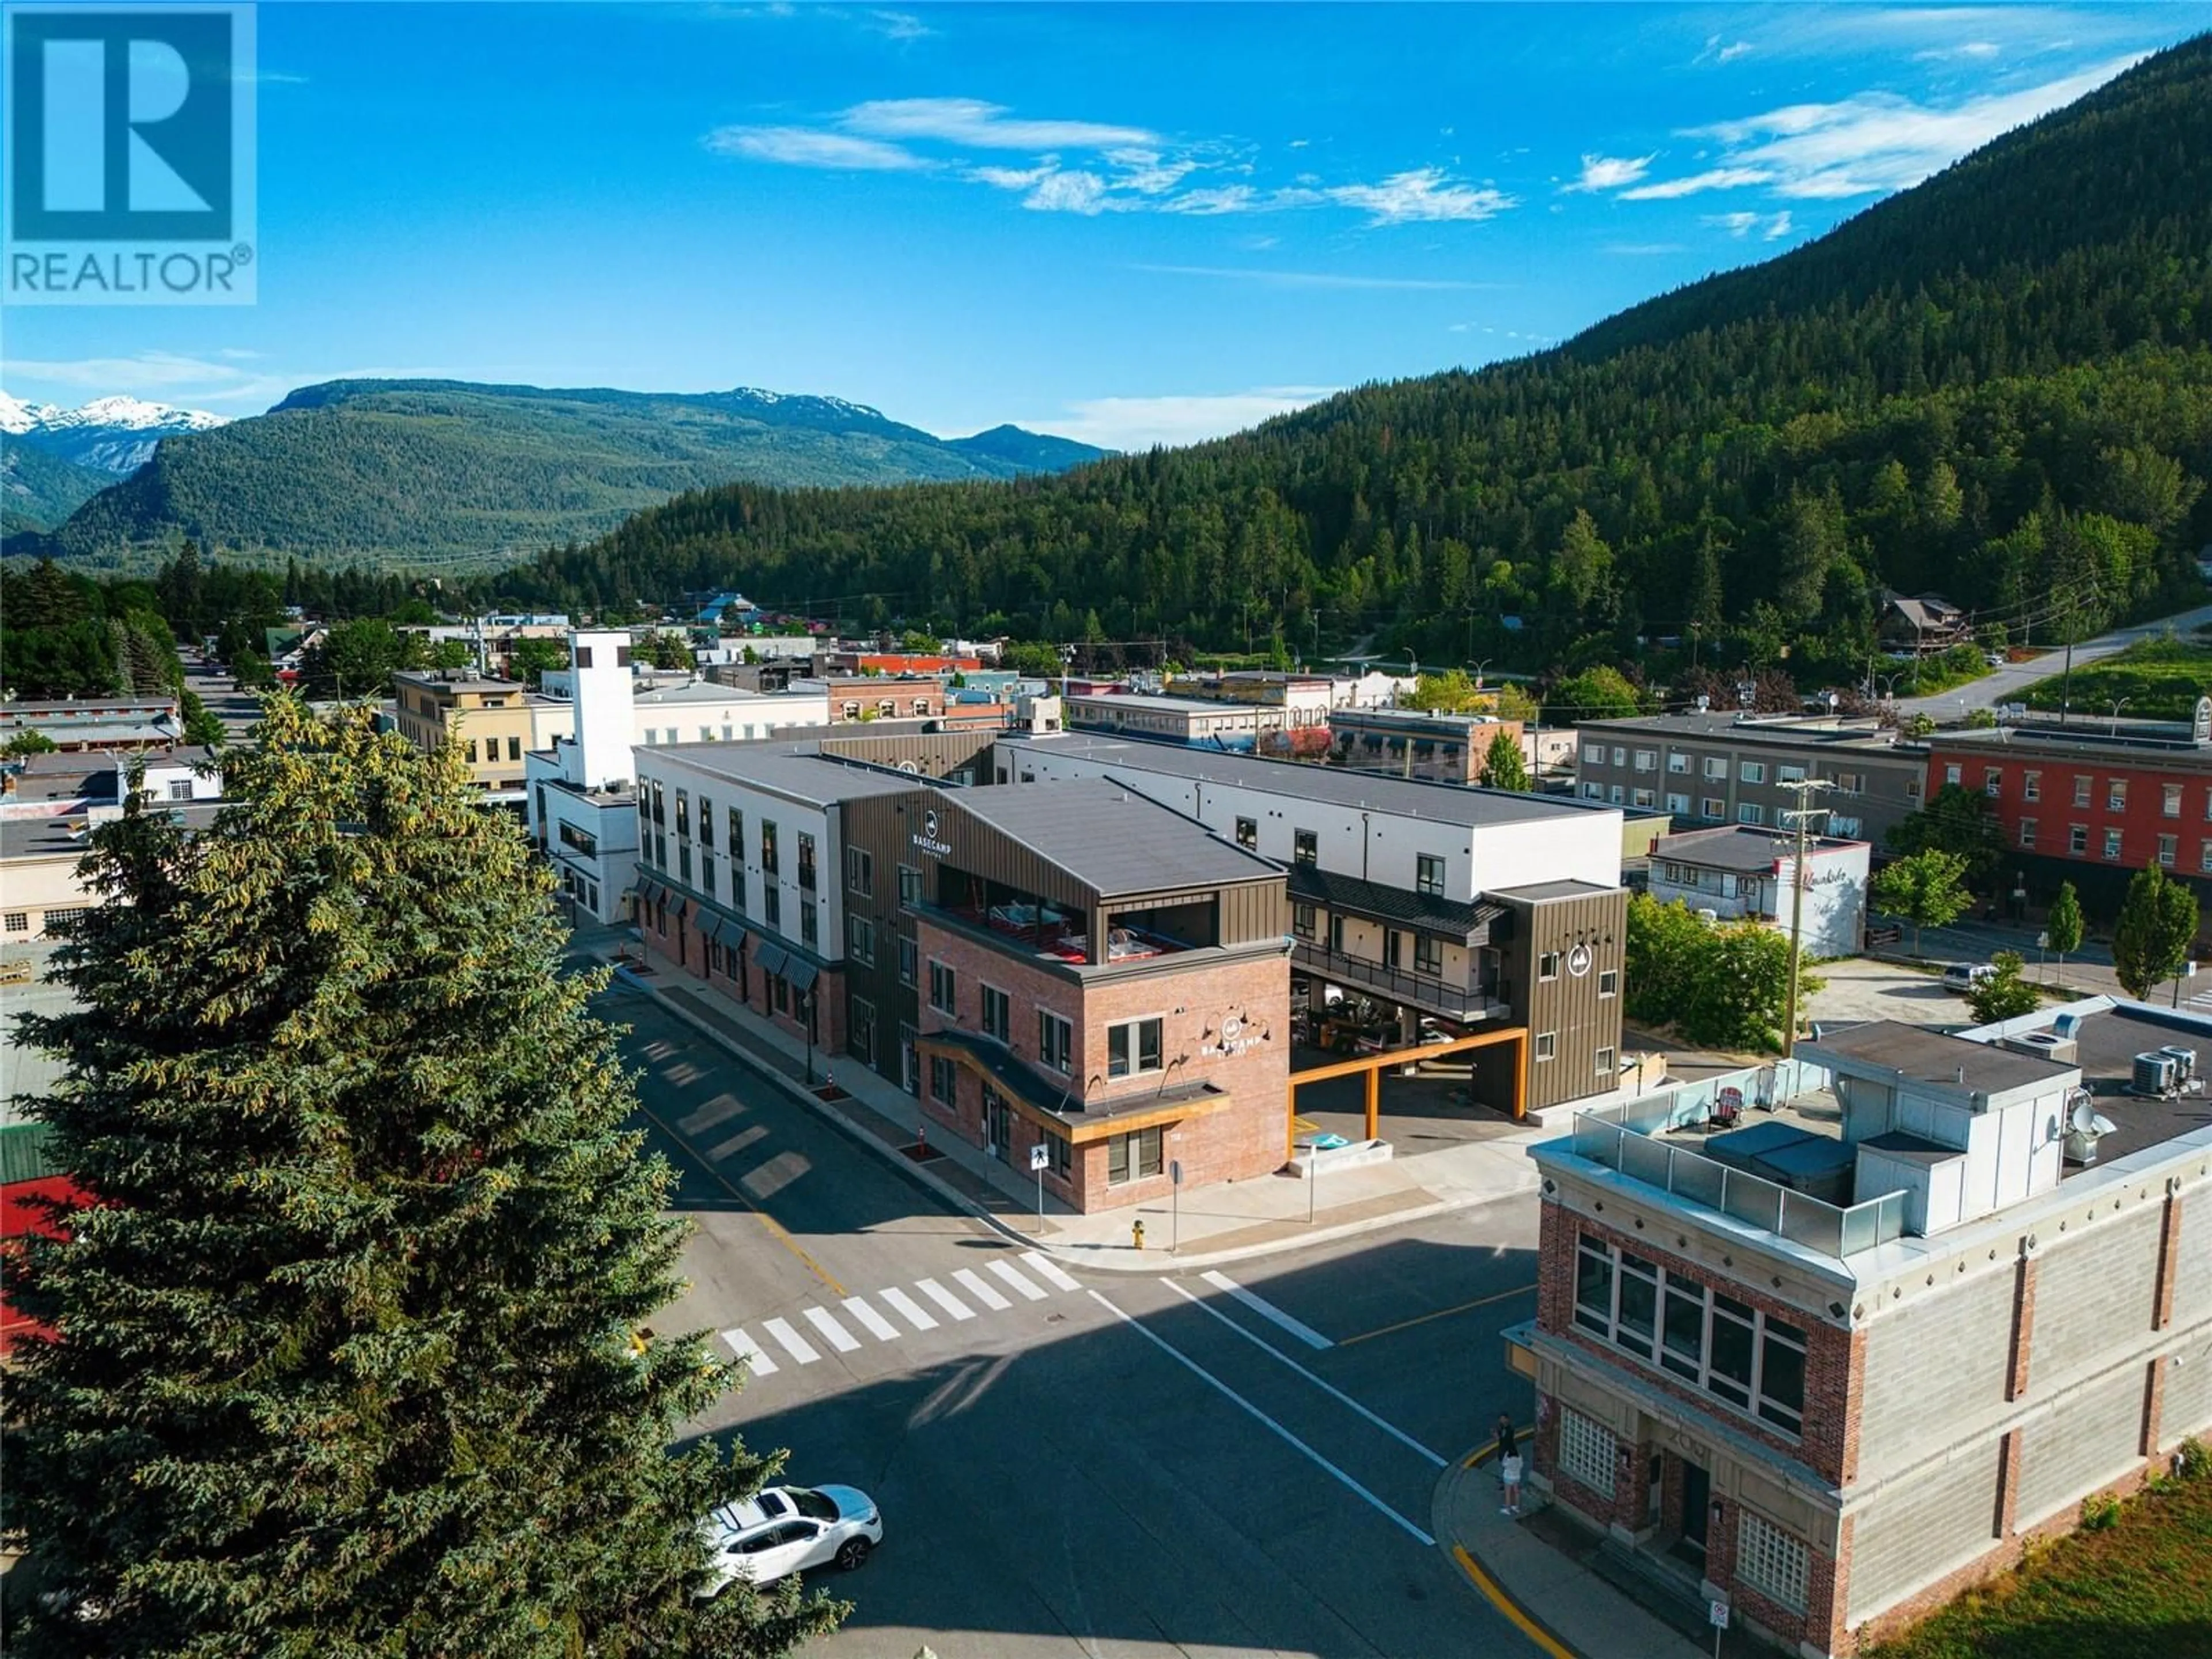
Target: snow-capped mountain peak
<point>128,414</point>
<point>17,417</point>
<point>114,434</point>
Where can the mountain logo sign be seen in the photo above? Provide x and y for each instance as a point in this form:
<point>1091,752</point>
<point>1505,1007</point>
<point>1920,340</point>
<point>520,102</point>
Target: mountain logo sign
<point>130,169</point>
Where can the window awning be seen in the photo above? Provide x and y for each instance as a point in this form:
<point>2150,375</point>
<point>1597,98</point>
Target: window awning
<point>650,892</point>
<point>771,958</point>
<point>801,974</point>
<point>710,927</point>
<point>734,934</point>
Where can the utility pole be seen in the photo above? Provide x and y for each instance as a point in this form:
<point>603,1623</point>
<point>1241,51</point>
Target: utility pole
<point>1800,816</point>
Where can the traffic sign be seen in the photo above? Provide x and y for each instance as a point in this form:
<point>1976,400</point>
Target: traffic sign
<point>1039,1157</point>
<point>1718,1612</point>
<point>1175,1171</point>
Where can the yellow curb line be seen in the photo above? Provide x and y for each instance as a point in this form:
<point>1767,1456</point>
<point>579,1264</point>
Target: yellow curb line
<point>1506,1605</point>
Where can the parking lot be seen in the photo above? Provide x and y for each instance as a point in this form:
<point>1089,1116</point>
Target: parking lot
<point>1858,989</point>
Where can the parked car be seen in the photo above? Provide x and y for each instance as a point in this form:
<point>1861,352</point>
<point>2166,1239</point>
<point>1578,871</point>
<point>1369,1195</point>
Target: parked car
<point>781,1530</point>
<point>1963,977</point>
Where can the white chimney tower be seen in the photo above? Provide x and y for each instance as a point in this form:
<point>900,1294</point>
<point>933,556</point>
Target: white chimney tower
<point>606,710</point>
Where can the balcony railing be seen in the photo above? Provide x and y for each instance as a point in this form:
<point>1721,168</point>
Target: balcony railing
<point>1426,992</point>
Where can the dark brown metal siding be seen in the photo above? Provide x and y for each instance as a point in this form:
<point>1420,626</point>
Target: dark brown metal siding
<point>1568,1006</point>
<point>1254,910</point>
<point>876,823</point>
<point>984,850</point>
<point>930,754</point>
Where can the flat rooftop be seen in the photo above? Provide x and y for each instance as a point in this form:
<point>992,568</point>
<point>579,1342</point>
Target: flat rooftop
<point>1112,840</point>
<point>1157,704</point>
<point>2107,1044</point>
<point>1741,847</point>
<point>1810,731</point>
<point>1920,1055</point>
<point>1448,802</point>
<point>798,771</point>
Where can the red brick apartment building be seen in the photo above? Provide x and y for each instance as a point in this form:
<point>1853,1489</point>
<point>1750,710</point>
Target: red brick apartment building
<point>2092,802</point>
<point>1833,1367</point>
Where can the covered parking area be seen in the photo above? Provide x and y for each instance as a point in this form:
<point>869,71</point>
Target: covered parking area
<point>1371,1067</point>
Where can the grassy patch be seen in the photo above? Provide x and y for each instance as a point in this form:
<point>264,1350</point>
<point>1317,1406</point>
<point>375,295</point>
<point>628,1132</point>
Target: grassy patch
<point>1942,671</point>
<point>2161,679</point>
<point>2138,1587</point>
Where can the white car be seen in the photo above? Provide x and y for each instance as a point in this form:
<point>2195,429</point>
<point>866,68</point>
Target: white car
<point>781,1530</point>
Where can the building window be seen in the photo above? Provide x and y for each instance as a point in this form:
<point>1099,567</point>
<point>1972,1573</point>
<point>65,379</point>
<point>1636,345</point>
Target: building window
<point>805,861</point>
<point>943,988</point>
<point>2077,838</point>
<point>1059,1149</point>
<point>1716,766</point>
<point>1547,965</point>
<point>1678,806</point>
<point>2027,832</point>
<point>998,1014</point>
<point>810,925</point>
<point>1752,772</point>
<point>771,859</point>
<point>1428,954</point>
<point>2082,786</point>
<point>1640,798</point>
<point>1305,847</point>
<point>1616,794</point>
<point>1547,1045</point>
<point>860,871</point>
<point>181,790</point>
<point>1770,1561</point>
<point>1301,920</point>
<point>1593,754</point>
<point>909,885</point>
<point>1953,773</point>
<point>1605,1066</point>
<point>1751,812</point>
<point>2116,794</point>
<point>1429,875</point>
<point>684,862</point>
<point>1132,1047</point>
<point>19,922</point>
<point>1750,1359</point>
<point>707,874</point>
<point>1992,780</point>
<point>2170,805</point>
<point>470,747</point>
<point>2031,786</point>
<point>736,835</point>
<point>682,813</point>
<point>1608,981</point>
<point>2165,850</point>
<point>1133,1156</point>
<point>909,959</point>
<point>1647,760</point>
<point>860,941</point>
<point>1620,756</point>
<point>514,749</point>
<point>1677,761</point>
<point>1055,1040</point>
<point>943,1080</point>
<point>1592,792</point>
<point>2112,845</point>
<point>1789,774</point>
<point>1248,833</point>
<point>1712,806</point>
<point>1586,1452</point>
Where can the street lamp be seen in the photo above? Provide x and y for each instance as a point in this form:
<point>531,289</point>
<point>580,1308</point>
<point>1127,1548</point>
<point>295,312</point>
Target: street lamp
<point>806,1019</point>
<point>1479,670</point>
<point>2118,703</point>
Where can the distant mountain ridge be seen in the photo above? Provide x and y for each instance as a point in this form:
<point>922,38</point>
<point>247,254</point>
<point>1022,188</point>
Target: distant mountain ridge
<point>109,435</point>
<point>38,489</point>
<point>458,475</point>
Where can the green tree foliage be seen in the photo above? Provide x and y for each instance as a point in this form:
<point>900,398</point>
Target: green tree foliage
<point>1997,386</point>
<point>1448,691</point>
<point>355,659</point>
<point>1594,693</point>
<point>28,743</point>
<point>1032,659</point>
<point>347,1360</point>
<point>2005,994</point>
<point>531,657</point>
<point>1956,820</point>
<point>253,671</point>
<point>1927,889</point>
<point>202,725</point>
<point>1503,766</point>
<point>665,648</point>
<point>2062,925</point>
<point>2156,926</point>
<point>1724,987</point>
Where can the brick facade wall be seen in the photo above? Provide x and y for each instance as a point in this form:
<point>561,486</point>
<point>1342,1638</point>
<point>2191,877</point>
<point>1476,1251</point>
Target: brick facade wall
<point>682,946</point>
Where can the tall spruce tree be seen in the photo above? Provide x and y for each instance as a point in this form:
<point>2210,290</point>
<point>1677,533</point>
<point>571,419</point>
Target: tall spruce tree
<point>345,1360</point>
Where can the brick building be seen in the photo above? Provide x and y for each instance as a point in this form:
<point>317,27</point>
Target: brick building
<point>2092,802</point>
<point>1835,1366</point>
<point>1412,742</point>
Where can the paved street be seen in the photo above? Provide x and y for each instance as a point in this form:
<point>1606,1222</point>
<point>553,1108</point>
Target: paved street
<point>1092,1464</point>
<point>2005,684</point>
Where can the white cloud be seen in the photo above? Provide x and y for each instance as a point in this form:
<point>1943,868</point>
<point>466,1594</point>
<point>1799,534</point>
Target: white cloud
<point>1014,178</point>
<point>978,125</point>
<point>1147,172</point>
<point>1718,49</point>
<point>1644,250</point>
<point>1611,172</point>
<point>1070,192</point>
<point>810,147</point>
<point>900,24</point>
<point>198,382</point>
<point>1266,278</point>
<point>1776,227</point>
<point>1874,142</point>
<point>1965,49</point>
<point>1214,199</point>
<point>1136,423</point>
<point>1668,190</point>
<point>1423,195</point>
<point>1770,227</point>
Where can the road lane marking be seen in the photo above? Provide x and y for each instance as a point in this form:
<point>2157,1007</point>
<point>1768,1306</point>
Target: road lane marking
<point>793,1344</point>
<point>749,1354</point>
<point>1048,1268</point>
<point>781,1234</point>
<point>1228,1393</point>
<point>1012,1274</point>
<point>839,1338</point>
<point>1505,1604</point>
<point>909,1310</point>
<point>1267,1310</point>
<point>1440,1313</point>
<point>972,1282</point>
<point>1329,1388</point>
<point>944,1299</point>
<point>879,1327</point>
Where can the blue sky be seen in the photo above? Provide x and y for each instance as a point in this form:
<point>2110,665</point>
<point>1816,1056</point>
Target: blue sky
<point>1126,224</point>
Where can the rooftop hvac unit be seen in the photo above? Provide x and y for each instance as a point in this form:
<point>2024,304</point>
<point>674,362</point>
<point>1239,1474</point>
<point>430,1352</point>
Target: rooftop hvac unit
<point>2184,1060</point>
<point>1709,917</point>
<point>2067,1025</point>
<point>2155,1074</point>
<point>2045,1045</point>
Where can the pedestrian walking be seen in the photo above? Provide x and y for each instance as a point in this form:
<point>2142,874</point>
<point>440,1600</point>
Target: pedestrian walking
<point>1510,1469</point>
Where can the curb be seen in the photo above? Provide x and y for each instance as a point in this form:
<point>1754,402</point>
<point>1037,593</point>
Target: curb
<point>1085,1256</point>
<point>1479,1573</point>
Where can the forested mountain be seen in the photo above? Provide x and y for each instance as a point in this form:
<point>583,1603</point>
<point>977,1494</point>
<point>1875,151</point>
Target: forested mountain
<point>38,489</point>
<point>112,435</point>
<point>1026,451</point>
<point>444,475</point>
<point>1996,385</point>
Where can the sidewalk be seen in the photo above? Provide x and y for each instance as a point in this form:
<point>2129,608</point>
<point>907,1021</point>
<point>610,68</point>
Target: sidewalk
<point>1211,1225</point>
<point>1530,1569</point>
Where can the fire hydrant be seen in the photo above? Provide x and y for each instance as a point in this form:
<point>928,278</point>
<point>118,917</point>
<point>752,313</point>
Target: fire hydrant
<point>1137,1235</point>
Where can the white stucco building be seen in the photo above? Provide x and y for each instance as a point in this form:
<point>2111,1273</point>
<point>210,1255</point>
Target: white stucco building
<point>1739,872</point>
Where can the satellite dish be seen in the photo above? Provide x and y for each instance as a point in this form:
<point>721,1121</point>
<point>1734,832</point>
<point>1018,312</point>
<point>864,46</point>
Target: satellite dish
<point>2082,1117</point>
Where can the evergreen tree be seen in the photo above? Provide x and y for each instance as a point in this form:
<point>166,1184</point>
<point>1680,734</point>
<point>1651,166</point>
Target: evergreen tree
<point>348,1358</point>
<point>1503,767</point>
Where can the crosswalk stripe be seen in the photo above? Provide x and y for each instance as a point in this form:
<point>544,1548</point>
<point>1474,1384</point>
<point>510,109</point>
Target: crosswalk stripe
<point>944,1298</point>
<point>910,1310</point>
<point>972,1282</point>
<point>1007,1270</point>
<point>1267,1310</point>
<point>879,1327</point>
<point>793,1344</point>
<point>839,1338</point>
<point>749,1352</point>
<point>1050,1271</point>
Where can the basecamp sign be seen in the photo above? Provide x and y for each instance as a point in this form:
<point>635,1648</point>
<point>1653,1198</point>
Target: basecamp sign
<point>925,838</point>
<point>1237,1034</point>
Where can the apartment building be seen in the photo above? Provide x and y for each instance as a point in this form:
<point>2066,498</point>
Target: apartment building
<point>1834,1366</point>
<point>1735,873</point>
<point>2092,802</point>
<point>1713,768</point>
<point>1076,968</point>
<point>496,722</point>
<point>80,724</point>
<point>1412,742</point>
<point>1305,699</point>
<point>1192,722</point>
<point>853,697</point>
<point>1475,908</point>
